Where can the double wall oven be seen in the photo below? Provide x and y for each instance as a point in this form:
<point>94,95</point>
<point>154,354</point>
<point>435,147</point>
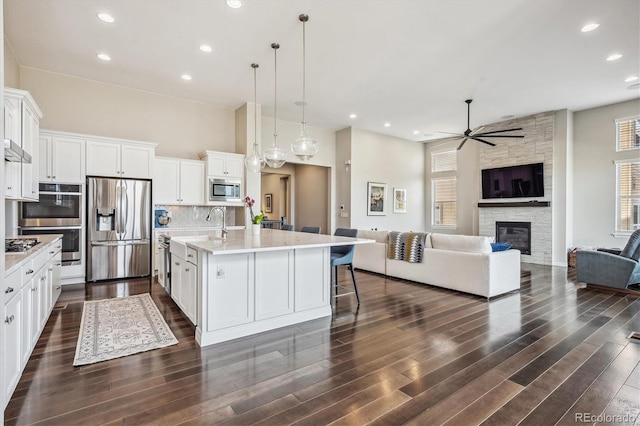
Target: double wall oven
<point>59,211</point>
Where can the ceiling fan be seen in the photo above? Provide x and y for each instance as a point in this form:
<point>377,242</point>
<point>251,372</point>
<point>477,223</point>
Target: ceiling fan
<point>477,134</point>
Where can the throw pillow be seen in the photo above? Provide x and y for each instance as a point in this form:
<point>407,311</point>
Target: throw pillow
<point>500,246</point>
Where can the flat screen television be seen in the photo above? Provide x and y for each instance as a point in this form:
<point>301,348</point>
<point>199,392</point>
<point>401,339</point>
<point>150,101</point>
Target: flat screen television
<point>525,180</point>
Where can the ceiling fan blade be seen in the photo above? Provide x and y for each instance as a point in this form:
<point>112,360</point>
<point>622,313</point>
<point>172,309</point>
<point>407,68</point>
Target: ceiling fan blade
<point>475,138</point>
<point>452,138</point>
<point>485,135</point>
<point>503,131</point>
<point>462,143</point>
<point>451,133</point>
<point>476,131</point>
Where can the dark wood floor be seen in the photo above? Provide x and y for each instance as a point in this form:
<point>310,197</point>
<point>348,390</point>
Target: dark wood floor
<point>411,354</point>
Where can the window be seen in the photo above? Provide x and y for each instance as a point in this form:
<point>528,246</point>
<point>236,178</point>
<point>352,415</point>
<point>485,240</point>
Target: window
<point>627,134</point>
<point>627,196</point>
<point>444,202</point>
<point>444,188</point>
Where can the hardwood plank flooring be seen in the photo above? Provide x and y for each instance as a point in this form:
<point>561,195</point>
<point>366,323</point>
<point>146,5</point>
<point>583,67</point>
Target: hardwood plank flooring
<point>411,354</point>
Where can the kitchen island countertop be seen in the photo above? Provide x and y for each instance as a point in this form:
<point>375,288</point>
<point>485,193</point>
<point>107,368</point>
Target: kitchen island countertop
<point>242,241</point>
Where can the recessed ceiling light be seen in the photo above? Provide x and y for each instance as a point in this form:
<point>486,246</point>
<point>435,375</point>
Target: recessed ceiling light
<point>632,78</point>
<point>353,116</point>
<point>415,132</point>
<point>105,17</point>
<point>387,124</point>
<point>206,48</point>
<point>589,27</point>
<point>104,56</point>
<point>186,77</point>
<point>235,4</point>
<point>614,57</point>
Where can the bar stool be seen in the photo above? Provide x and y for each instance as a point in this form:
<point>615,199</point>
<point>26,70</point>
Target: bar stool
<point>311,229</point>
<point>286,227</point>
<point>343,255</point>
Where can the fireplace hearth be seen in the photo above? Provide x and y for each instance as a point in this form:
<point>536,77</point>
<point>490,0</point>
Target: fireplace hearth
<point>518,234</point>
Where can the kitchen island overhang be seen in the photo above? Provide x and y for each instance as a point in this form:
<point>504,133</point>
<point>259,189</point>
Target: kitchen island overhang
<point>248,284</point>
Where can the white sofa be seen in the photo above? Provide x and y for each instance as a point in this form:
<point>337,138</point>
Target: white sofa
<point>457,262</point>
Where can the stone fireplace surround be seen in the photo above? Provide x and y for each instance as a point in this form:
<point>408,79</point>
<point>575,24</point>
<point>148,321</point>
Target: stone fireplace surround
<point>536,147</point>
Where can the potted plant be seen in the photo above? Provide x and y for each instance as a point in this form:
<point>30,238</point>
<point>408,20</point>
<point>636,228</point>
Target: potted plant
<point>256,220</point>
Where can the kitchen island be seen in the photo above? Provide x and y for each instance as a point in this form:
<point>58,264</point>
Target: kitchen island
<point>247,284</point>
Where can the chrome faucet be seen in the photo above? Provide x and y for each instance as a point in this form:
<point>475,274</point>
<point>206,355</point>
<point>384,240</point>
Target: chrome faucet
<point>224,219</point>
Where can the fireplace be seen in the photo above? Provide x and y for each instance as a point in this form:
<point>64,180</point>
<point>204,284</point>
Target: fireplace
<point>518,234</point>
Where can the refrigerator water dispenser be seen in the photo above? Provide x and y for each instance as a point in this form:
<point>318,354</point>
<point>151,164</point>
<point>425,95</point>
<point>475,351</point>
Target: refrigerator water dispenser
<point>105,219</point>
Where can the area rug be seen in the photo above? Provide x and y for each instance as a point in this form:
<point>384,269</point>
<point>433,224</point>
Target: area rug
<point>114,328</point>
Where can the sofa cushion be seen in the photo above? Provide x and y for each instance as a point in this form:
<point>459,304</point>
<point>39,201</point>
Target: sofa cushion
<point>466,243</point>
<point>379,236</point>
<point>500,246</point>
<point>632,249</point>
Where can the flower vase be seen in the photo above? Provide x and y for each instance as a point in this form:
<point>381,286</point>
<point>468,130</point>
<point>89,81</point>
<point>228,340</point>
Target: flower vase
<point>255,229</point>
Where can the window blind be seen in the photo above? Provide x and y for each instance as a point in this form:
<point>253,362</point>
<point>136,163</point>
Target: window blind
<point>444,202</point>
<point>444,161</point>
<point>627,134</point>
<point>628,196</point>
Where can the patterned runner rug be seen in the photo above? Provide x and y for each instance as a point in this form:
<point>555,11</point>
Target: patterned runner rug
<point>114,328</point>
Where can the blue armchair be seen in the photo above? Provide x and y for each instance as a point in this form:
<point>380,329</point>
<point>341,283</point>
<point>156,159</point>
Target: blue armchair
<point>610,270</point>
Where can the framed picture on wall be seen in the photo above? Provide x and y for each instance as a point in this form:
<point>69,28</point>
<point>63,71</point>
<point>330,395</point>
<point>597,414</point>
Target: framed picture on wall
<point>399,200</point>
<point>267,203</point>
<point>376,199</point>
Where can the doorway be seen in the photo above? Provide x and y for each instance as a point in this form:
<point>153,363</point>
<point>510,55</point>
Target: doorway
<point>299,193</point>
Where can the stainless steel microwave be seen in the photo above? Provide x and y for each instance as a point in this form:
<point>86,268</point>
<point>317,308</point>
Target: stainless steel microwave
<point>224,189</point>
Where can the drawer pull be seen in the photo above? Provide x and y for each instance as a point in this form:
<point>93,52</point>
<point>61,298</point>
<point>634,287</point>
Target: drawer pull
<point>30,271</point>
<point>58,288</point>
<point>58,246</point>
<point>43,278</point>
<point>8,290</point>
<point>177,263</point>
<point>51,252</point>
<point>58,264</point>
<point>186,270</point>
<point>10,319</point>
<point>189,255</point>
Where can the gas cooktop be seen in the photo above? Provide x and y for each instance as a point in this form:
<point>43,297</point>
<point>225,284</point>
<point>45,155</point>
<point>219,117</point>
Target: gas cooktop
<point>19,245</point>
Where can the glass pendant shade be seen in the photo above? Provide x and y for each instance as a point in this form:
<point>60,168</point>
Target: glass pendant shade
<point>275,157</point>
<point>304,147</point>
<point>254,162</point>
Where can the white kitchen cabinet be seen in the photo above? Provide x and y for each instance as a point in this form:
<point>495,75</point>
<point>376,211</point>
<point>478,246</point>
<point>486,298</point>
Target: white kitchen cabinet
<point>184,276</point>
<point>312,272</point>
<point>13,132</point>
<point>12,362</point>
<point>22,123</point>
<point>230,291</point>
<point>274,284</point>
<point>223,164</point>
<point>179,181</point>
<point>55,277</point>
<point>62,159</point>
<point>119,159</point>
<point>30,142</point>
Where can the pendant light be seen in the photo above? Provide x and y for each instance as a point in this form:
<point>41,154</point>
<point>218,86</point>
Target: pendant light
<point>304,147</point>
<point>254,162</point>
<point>275,156</point>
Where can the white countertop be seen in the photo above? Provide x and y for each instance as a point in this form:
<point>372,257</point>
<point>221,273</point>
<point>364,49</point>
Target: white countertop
<point>12,261</point>
<point>268,240</point>
<point>194,231</point>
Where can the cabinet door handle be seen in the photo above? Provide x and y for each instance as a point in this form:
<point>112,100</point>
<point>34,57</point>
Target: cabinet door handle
<point>9,187</point>
<point>177,263</point>
<point>10,319</point>
<point>54,177</point>
<point>58,247</point>
<point>186,270</point>
<point>189,255</point>
<point>30,271</point>
<point>58,288</point>
<point>43,278</point>
<point>51,252</point>
<point>33,289</point>
<point>8,290</point>
<point>58,264</point>
<point>48,176</point>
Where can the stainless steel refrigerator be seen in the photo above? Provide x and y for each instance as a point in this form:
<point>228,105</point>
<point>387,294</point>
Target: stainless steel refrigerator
<point>118,228</point>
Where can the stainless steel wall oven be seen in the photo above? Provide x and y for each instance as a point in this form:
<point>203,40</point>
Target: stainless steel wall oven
<point>59,205</point>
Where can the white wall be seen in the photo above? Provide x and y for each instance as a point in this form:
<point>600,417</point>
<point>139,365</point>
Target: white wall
<point>594,177</point>
<point>181,128</point>
<point>11,67</point>
<point>562,222</point>
<point>398,163</point>
<point>343,178</point>
<point>271,185</point>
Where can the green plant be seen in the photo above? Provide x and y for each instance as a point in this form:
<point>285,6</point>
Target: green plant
<point>255,219</point>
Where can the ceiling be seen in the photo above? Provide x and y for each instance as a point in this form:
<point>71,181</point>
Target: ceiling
<point>407,63</point>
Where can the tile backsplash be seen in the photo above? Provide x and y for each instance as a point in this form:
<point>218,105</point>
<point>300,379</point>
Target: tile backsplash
<point>195,216</point>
